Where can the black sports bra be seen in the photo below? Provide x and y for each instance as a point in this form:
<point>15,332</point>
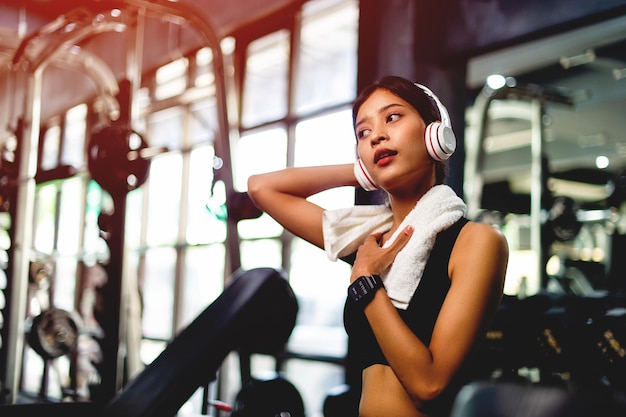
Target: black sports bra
<point>420,316</point>
<point>422,311</point>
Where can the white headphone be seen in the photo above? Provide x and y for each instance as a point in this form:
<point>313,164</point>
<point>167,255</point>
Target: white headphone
<point>439,138</point>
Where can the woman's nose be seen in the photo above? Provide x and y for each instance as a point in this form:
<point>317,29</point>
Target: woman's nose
<point>378,136</point>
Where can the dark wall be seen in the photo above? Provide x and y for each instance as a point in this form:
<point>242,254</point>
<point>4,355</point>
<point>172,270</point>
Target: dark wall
<point>431,42</point>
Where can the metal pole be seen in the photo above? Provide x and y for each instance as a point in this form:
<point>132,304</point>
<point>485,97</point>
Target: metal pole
<point>223,142</point>
<point>22,241</point>
<point>475,154</point>
<point>536,190</point>
<point>130,323</point>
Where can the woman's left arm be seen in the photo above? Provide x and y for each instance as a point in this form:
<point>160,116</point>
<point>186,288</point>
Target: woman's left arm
<point>477,268</point>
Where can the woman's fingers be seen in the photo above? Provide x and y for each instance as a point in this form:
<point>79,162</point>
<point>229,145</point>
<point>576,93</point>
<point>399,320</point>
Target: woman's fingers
<point>372,259</point>
<point>402,239</point>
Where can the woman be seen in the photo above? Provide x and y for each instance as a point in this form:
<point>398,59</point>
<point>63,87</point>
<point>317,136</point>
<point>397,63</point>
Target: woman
<point>425,281</point>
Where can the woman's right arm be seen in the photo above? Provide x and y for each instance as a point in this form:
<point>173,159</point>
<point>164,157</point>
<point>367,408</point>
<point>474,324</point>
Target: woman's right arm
<point>283,195</point>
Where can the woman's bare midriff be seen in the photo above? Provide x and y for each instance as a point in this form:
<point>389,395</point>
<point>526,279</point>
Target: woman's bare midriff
<point>384,396</point>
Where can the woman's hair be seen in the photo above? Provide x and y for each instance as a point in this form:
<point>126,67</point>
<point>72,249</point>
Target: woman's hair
<point>412,94</point>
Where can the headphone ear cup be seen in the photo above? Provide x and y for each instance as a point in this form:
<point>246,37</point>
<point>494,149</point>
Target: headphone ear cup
<point>440,141</point>
<point>363,177</point>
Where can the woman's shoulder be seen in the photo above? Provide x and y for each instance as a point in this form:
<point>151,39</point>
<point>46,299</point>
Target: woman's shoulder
<point>476,236</point>
<point>481,253</point>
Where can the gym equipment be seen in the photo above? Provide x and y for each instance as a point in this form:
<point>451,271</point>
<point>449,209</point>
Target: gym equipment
<point>114,158</point>
<point>512,399</point>
<point>570,339</point>
<point>53,333</point>
<point>256,312</point>
<point>268,397</point>
<point>608,340</point>
<point>563,224</point>
<point>501,338</point>
<point>342,401</point>
<point>60,409</point>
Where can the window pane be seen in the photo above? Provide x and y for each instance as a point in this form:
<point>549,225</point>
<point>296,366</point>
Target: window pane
<point>164,199</point>
<point>166,129</point>
<point>264,226</point>
<point>314,381</point>
<point>45,210</point>
<point>33,372</point>
<point>134,217</point>
<point>327,65</point>
<point>319,283</point>
<point>203,226</point>
<point>312,143</point>
<point>171,79</point>
<point>204,280</point>
<point>96,202</point>
<point>151,349</point>
<point>204,68</point>
<point>264,151</point>
<point>265,83</point>
<point>73,152</point>
<point>51,144</point>
<point>70,215</point>
<point>314,137</point>
<point>158,293</point>
<point>65,282</point>
<point>204,125</point>
<point>261,254</point>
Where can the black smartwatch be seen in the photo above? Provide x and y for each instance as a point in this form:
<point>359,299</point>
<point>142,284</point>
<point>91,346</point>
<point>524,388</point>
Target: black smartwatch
<point>363,289</point>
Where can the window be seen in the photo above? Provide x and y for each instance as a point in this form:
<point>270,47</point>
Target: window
<point>171,79</point>
<point>265,82</point>
<point>327,55</point>
<point>321,79</point>
<point>295,103</point>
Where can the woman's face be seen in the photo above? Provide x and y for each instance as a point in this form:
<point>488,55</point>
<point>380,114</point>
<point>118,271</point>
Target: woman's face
<point>390,141</point>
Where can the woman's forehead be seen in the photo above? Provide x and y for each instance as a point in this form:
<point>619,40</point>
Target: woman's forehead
<point>379,101</point>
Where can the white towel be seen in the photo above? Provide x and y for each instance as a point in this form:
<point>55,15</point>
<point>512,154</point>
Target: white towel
<point>346,229</point>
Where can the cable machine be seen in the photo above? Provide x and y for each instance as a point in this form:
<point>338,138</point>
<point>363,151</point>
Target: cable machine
<point>51,45</point>
<point>529,104</point>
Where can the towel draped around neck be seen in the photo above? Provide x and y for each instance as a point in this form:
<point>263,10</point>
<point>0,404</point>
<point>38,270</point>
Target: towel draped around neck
<point>346,229</point>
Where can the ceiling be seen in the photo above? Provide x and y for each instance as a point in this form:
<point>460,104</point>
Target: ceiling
<point>32,31</point>
<point>169,23</point>
<point>225,16</point>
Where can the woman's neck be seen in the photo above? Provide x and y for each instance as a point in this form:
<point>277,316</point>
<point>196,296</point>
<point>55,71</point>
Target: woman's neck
<point>402,204</point>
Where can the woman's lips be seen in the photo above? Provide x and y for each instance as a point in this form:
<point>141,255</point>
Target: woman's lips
<point>383,156</point>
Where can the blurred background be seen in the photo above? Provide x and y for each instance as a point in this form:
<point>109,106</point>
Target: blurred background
<point>128,130</point>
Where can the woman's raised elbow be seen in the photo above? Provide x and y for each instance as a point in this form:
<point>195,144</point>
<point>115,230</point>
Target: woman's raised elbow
<point>254,186</point>
<point>425,391</point>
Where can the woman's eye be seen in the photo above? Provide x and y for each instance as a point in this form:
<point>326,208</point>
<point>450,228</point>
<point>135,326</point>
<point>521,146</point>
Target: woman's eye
<point>363,133</point>
<point>393,117</point>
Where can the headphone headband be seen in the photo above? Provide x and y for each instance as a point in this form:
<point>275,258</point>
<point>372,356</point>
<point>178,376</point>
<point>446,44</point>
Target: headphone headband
<point>443,112</point>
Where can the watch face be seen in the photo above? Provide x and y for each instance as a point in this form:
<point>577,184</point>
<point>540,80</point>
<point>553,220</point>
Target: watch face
<point>363,289</point>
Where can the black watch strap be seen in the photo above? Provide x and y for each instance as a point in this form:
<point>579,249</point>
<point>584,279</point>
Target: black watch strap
<point>362,290</point>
